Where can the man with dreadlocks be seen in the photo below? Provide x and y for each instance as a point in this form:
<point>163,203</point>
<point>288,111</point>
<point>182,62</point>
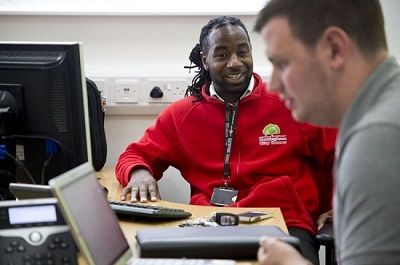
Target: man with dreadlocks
<point>234,142</point>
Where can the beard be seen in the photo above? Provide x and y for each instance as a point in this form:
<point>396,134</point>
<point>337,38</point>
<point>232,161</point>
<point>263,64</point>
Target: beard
<point>320,109</point>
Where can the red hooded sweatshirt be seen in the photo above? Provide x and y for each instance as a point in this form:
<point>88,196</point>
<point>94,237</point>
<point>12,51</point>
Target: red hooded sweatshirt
<point>275,161</point>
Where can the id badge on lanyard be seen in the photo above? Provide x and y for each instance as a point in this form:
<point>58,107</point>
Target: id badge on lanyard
<point>226,195</point>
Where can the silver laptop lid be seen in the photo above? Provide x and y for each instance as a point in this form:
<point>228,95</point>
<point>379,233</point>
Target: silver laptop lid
<point>24,191</point>
<point>93,223</point>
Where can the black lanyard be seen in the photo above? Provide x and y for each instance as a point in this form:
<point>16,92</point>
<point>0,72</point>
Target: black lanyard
<point>231,111</point>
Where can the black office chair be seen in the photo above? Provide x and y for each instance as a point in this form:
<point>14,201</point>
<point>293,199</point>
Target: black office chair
<point>325,238</point>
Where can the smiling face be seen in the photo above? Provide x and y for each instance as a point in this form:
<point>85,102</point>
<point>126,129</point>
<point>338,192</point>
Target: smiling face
<point>229,62</point>
<point>300,74</point>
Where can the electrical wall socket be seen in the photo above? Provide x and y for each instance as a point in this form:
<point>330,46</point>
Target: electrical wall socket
<point>131,95</point>
<point>126,90</point>
<point>173,89</point>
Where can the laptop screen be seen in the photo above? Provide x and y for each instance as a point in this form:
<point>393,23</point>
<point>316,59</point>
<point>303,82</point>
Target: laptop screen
<point>88,208</point>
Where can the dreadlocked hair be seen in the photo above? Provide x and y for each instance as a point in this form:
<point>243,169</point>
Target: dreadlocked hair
<point>203,77</point>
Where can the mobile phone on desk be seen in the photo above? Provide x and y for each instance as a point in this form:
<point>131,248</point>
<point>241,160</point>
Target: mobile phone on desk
<point>254,216</point>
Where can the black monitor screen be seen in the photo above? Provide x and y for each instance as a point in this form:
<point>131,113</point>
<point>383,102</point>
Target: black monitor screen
<point>43,106</point>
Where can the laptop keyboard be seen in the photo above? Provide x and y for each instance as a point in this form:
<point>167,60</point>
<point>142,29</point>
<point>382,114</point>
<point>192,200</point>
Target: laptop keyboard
<point>149,211</point>
<point>181,262</point>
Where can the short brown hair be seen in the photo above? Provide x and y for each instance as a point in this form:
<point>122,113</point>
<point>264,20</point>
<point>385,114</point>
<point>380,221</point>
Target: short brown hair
<point>362,20</point>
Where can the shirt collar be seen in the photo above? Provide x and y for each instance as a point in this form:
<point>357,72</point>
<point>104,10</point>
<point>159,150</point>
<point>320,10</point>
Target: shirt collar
<point>214,94</point>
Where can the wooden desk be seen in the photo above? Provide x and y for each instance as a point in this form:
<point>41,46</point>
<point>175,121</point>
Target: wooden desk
<point>107,179</point>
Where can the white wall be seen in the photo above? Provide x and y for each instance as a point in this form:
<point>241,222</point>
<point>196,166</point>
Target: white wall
<point>143,45</point>
<point>391,10</point>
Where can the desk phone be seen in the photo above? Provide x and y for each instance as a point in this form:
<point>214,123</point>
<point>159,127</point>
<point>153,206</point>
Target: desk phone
<point>34,232</point>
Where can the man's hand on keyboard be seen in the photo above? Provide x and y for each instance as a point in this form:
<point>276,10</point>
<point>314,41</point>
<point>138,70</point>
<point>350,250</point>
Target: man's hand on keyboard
<point>142,186</point>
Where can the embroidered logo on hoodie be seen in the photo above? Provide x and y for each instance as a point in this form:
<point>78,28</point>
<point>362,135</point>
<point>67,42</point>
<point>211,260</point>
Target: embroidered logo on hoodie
<point>272,135</point>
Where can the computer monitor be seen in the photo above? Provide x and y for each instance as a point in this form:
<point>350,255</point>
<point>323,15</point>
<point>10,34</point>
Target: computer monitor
<point>44,127</point>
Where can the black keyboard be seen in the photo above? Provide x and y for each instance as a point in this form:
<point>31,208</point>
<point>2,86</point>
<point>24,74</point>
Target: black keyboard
<point>125,209</point>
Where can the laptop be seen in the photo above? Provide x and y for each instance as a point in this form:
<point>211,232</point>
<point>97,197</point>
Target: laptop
<point>24,191</point>
<point>95,226</point>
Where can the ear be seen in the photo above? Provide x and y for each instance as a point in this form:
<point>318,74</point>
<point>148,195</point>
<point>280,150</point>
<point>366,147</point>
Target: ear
<point>336,44</point>
<point>204,60</point>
